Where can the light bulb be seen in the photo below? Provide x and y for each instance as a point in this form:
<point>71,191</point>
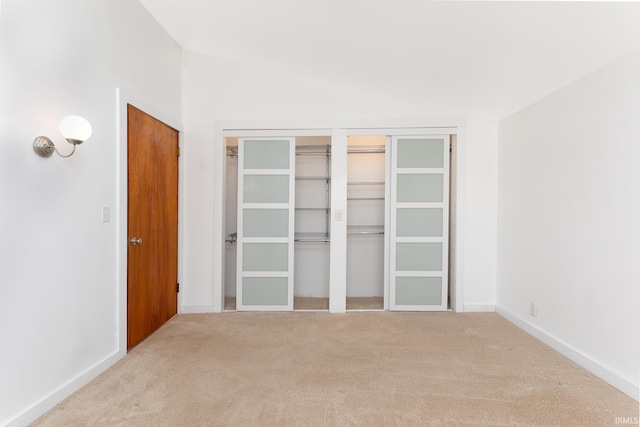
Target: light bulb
<point>75,129</point>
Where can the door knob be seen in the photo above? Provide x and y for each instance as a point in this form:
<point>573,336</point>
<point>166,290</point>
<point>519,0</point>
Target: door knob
<point>135,241</point>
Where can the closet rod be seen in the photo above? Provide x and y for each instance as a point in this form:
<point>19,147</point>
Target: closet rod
<point>302,239</point>
<point>313,178</point>
<point>366,149</point>
<point>324,150</point>
<point>234,153</point>
<point>313,154</point>
<point>366,183</point>
<point>313,149</point>
<point>311,237</point>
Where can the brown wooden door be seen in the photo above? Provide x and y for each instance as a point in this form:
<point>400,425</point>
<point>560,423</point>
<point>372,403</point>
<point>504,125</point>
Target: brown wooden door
<point>152,270</point>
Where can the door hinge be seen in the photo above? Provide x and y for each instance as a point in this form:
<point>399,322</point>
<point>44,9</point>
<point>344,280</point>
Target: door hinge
<point>177,151</point>
<point>177,287</point>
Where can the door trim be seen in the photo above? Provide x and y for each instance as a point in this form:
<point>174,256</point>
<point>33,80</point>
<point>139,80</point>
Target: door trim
<point>122,99</point>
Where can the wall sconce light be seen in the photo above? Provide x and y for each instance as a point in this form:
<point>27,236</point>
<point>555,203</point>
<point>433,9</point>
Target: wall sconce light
<point>75,129</point>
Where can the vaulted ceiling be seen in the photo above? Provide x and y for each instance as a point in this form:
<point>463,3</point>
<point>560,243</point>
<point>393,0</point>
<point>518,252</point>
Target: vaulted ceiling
<point>488,59</point>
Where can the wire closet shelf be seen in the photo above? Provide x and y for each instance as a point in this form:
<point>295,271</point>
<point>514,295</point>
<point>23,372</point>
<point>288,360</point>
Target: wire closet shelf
<point>325,150</point>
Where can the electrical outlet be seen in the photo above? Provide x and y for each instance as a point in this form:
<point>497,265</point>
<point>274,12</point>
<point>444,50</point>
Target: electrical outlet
<point>106,214</point>
<point>533,309</point>
<point>339,215</point>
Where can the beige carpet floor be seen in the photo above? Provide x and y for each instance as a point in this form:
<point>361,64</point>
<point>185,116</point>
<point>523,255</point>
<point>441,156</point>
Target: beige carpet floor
<point>320,369</point>
<point>312,303</point>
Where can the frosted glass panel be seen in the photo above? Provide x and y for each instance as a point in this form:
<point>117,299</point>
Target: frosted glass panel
<point>266,222</point>
<point>419,222</point>
<point>265,154</point>
<point>265,291</point>
<point>265,257</point>
<point>419,290</point>
<point>419,188</point>
<point>419,256</point>
<point>420,153</point>
<point>266,189</point>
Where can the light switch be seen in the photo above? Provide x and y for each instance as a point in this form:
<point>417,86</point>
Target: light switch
<point>106,214</point>
<point>339,215</point>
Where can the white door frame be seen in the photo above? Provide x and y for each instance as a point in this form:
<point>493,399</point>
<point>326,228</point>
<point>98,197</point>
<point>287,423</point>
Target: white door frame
<point>339,129</point>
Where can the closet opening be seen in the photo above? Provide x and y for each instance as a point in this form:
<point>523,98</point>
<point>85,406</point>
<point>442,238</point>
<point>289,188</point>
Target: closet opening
<point>311,223</point>
<point>231,216</point>
<point>366,216</point>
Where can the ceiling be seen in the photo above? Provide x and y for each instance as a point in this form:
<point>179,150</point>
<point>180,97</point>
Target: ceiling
<point>488,59</point>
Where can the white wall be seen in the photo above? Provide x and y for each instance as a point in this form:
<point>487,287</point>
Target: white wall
<point>58,307</point>
<point>569,204</point>
<point>478,171</point>
<point>215,89</point>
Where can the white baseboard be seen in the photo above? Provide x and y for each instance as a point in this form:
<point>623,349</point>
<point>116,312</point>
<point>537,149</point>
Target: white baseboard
<point>36,410</point>
<point>479,308</point>
<point>195,309</point>
<point>605,373</point>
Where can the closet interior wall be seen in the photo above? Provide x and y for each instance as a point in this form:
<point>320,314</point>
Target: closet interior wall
<point>313,193</point>
<point>366,181</point>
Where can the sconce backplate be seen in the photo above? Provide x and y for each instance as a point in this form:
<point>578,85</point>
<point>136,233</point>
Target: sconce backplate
<point>43,146</point>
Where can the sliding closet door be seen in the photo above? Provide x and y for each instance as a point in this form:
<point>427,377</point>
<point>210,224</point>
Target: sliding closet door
<point>266,191</point>
<point>419,223</point>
